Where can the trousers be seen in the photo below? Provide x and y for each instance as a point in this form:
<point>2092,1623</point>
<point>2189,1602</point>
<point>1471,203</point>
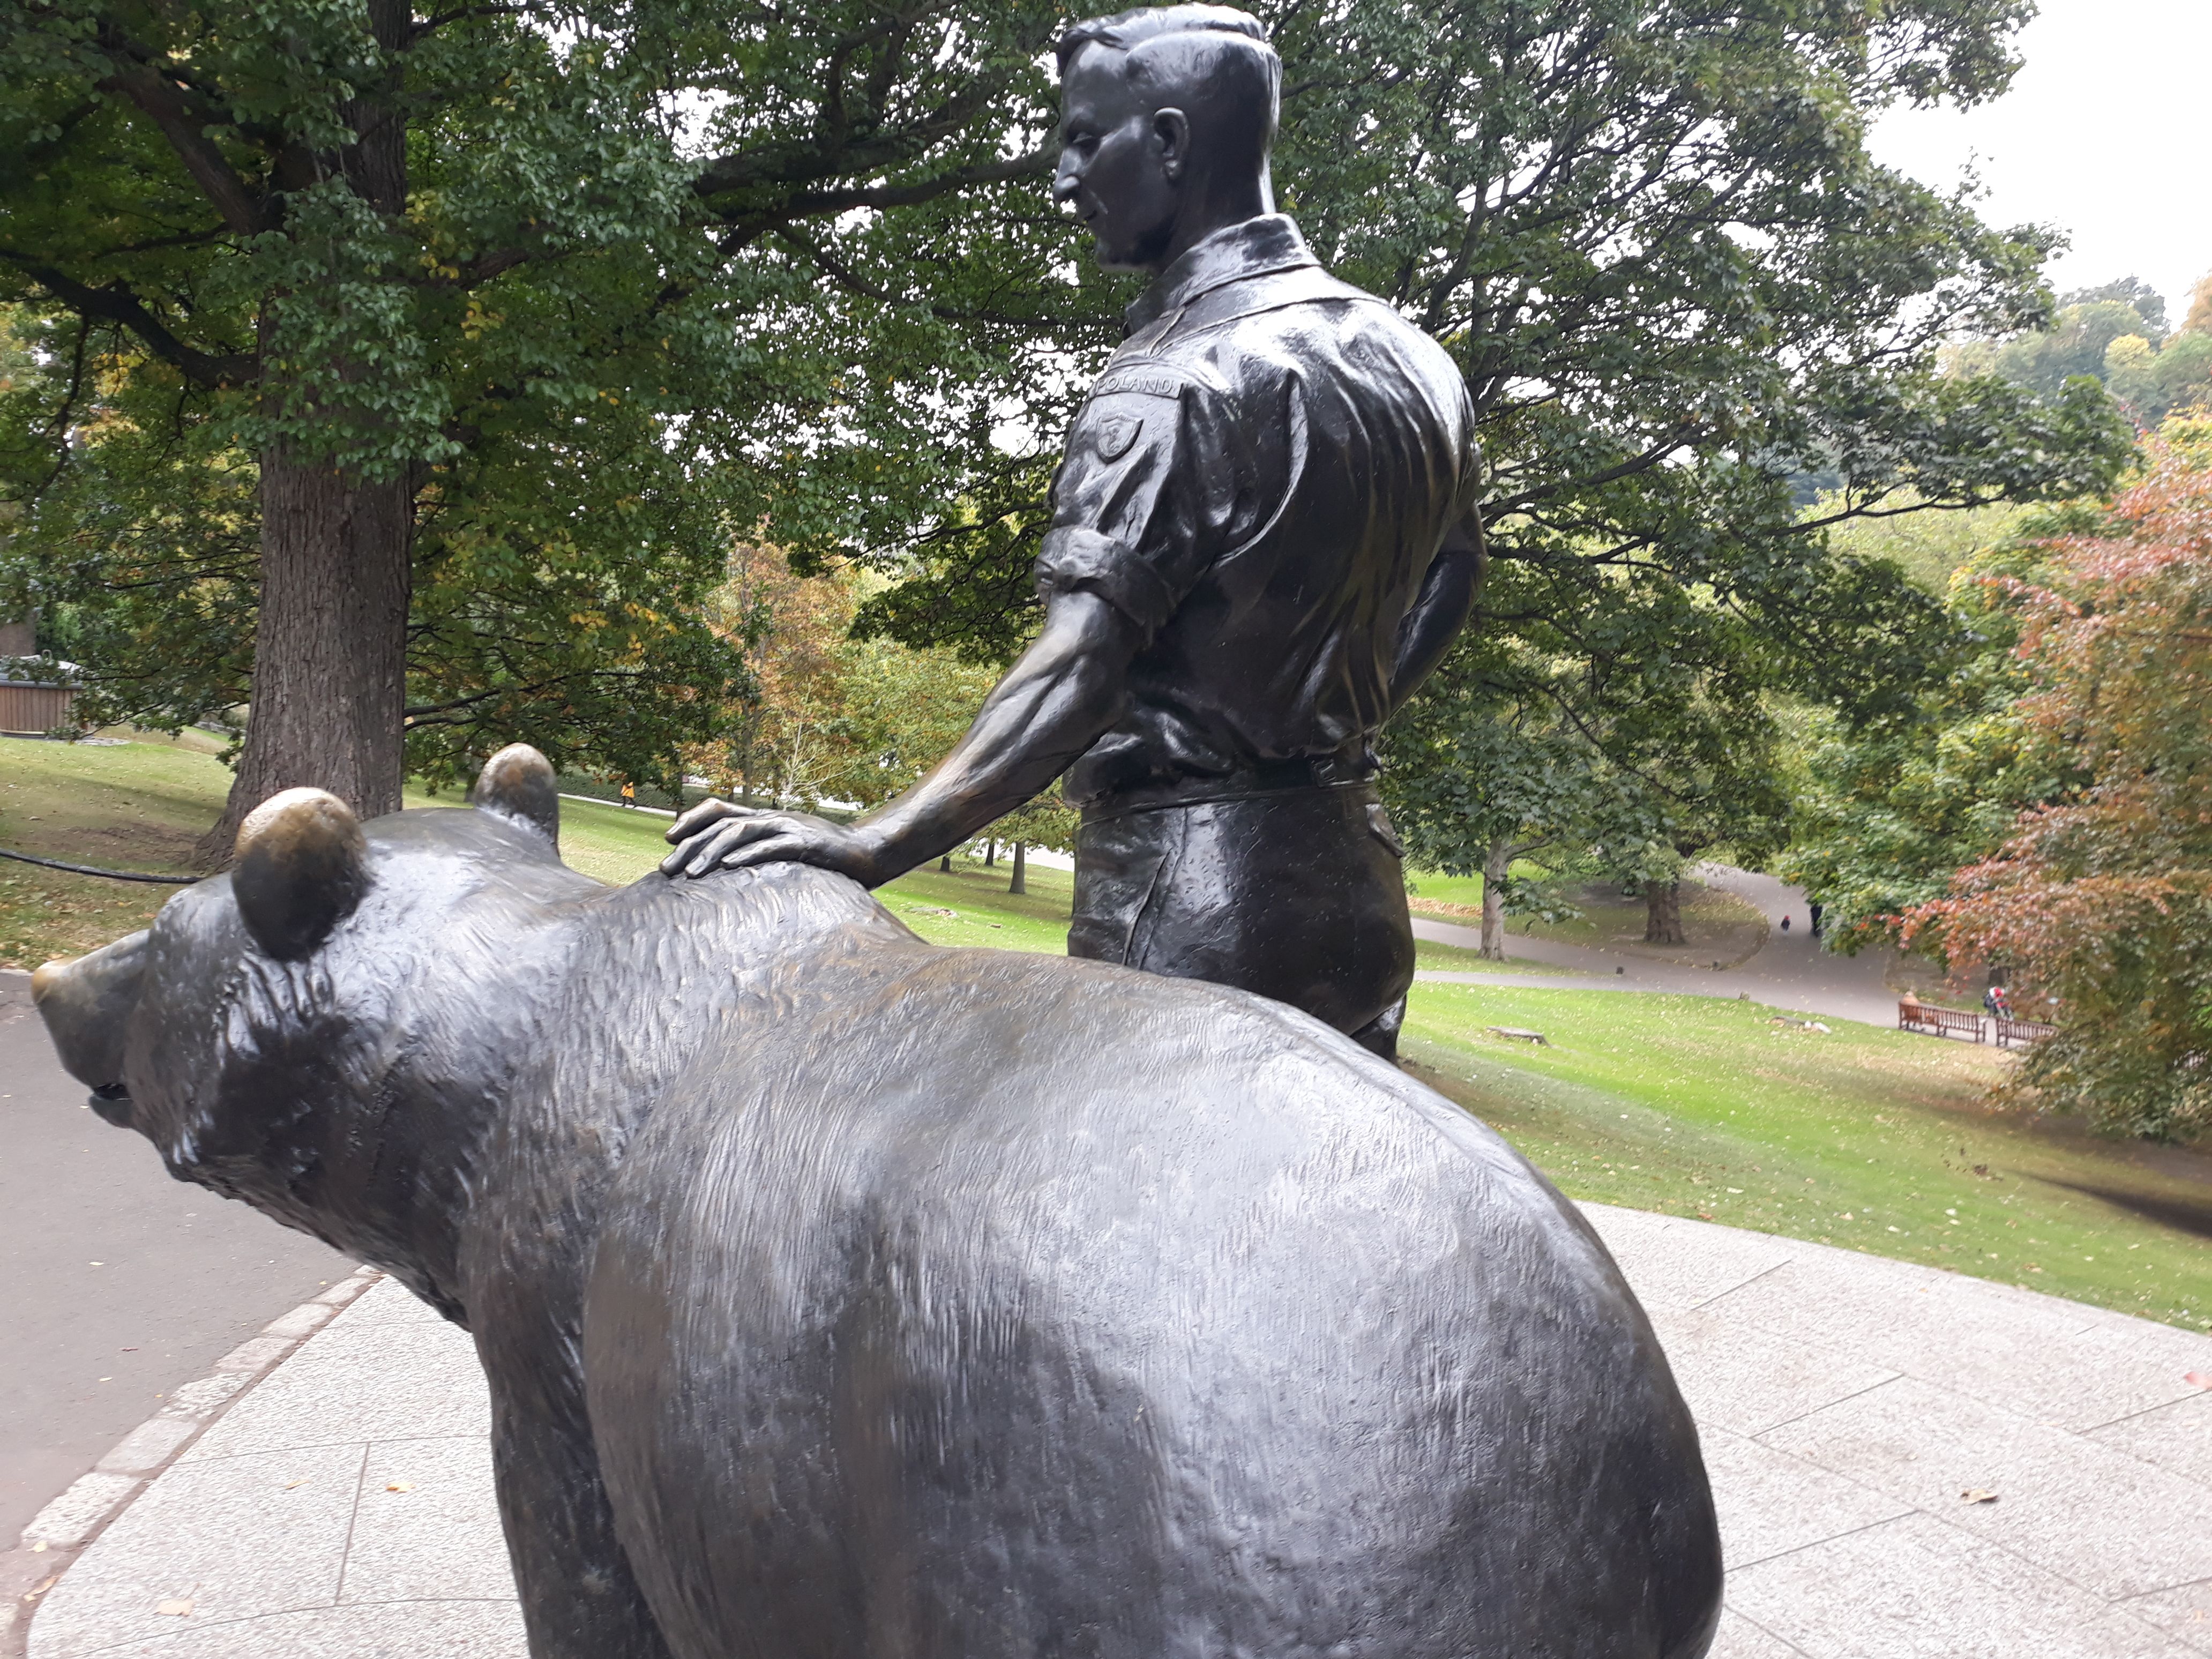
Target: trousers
<point>1296,894</point>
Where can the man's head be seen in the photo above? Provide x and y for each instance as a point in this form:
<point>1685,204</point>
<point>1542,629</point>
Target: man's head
<point>1166,116</point>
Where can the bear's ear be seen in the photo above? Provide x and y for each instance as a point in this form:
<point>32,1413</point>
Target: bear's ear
<point>302,867</point>
<point>517,784</point>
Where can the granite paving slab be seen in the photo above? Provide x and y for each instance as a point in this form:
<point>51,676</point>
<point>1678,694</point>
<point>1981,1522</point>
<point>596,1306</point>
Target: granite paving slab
<point>342,1509</point>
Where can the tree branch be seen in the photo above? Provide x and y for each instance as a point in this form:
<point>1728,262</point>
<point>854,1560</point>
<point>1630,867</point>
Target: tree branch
<point>116,303</point>
<point>183,118</point>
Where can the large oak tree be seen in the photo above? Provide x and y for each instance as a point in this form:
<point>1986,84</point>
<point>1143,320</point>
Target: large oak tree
<point>381,337</point>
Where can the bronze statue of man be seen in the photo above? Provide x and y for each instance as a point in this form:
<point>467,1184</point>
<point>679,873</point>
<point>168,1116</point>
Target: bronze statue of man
<point>1263,537</point>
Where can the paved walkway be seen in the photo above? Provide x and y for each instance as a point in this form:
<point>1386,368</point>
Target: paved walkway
<point>115,1281</point>
<point>341,1509</point>
<point>1790,970</point>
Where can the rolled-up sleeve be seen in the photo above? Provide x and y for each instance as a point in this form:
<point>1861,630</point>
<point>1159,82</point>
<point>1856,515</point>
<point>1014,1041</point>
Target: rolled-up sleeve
<point>1142,500</point>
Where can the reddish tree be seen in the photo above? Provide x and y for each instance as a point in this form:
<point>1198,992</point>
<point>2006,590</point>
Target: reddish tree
<point>2102,903</point>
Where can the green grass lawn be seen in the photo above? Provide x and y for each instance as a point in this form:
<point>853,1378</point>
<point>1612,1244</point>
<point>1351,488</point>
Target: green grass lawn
<point>128,806</point>
<point>1873,1139</point>
<point>1688,1105</point>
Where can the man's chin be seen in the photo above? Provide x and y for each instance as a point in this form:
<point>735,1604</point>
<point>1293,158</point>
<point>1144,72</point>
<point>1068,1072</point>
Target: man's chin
<point>1117,260</point>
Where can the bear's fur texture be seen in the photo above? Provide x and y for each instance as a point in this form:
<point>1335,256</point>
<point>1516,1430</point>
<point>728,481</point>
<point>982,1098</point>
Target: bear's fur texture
<point>846,1297</point>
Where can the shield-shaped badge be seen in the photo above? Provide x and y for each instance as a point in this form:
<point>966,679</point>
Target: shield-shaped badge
<point>1117,434</point>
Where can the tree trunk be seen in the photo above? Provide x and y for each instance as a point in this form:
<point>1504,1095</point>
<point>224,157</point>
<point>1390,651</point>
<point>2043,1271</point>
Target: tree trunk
<point>1662,913</point>
<point>944,864</point>
<point>991,852</point>
<point>1020,884</point>
<point>330,645</point>
<point>1494,874</point>
<point>328,699</point>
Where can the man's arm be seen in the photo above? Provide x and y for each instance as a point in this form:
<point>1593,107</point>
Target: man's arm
<point>1067,689</point>
<point>1446,599</point>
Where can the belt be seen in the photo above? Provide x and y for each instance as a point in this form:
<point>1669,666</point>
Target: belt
<point>1266,778</point>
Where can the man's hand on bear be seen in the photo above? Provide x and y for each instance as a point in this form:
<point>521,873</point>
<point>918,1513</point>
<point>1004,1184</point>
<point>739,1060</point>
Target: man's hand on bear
<point>717,836</point>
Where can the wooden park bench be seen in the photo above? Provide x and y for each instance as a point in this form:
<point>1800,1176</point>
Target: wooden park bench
<point>2019,1033</point>
<point>1939,1022</point>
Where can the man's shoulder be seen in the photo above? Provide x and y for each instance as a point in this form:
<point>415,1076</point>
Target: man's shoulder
<point>1273,303</point>
<point>1285,322</point>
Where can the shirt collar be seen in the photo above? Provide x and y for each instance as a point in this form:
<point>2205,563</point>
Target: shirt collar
<point>1254,247</point>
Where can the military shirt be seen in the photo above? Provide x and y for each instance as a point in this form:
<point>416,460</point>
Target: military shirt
<point>1259,480</point>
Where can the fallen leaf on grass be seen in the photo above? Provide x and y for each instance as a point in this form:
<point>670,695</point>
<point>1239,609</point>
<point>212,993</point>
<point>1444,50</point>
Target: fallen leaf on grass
<point>401,1486</point>
<point>177,1608</point>
<point>1976,1494</point>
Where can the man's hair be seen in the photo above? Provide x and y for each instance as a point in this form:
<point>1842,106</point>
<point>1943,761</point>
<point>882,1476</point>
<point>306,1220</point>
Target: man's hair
<point>1217,53</point>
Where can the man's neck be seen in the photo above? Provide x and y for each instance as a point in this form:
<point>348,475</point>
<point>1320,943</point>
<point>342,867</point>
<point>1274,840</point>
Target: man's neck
<point>1251,198</point>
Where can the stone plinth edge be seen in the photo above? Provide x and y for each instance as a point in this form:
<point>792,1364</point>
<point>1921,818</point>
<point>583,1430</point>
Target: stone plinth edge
<point>58,1532</point>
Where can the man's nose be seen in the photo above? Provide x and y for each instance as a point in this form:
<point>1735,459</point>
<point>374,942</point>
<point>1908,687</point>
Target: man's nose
<point>1065,178</point>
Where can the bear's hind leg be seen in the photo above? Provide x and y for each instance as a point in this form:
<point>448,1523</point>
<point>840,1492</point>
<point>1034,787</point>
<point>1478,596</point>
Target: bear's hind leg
<point>580,1599</point>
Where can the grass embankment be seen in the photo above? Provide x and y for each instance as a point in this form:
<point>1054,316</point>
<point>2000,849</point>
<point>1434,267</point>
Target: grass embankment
<point>123,806</point>
<point>1859,1137</point>
<point>1872,1139</point>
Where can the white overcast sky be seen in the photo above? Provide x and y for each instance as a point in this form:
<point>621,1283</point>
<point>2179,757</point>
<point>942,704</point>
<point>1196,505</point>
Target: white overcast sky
<point>2104,134</point>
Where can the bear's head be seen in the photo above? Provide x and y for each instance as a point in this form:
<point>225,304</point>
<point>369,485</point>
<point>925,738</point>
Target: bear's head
<point>324,1030</point>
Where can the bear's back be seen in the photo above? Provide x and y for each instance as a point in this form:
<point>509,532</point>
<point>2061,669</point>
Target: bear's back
<point>1021,1305</point>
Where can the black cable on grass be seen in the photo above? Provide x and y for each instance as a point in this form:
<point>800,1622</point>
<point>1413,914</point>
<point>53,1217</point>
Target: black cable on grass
<point>92,870</point>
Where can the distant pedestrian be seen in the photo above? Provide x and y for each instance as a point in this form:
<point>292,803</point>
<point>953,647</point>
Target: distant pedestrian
<point>1785,924</point>
<point>629,794</point>
<point>1816,910</point>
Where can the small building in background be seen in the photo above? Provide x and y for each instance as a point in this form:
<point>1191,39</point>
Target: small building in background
<point>35,691</point>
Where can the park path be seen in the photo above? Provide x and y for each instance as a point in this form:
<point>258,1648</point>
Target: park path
<point>1789,971</point>
<point>115,1282</point>
<point>1907,1463</point>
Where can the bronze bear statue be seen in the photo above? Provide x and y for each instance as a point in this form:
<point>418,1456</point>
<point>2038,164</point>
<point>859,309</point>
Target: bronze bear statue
<point>843,1297</point>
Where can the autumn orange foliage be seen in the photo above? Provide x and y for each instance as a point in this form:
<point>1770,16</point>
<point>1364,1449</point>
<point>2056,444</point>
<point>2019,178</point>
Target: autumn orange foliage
<point>2102,902</point>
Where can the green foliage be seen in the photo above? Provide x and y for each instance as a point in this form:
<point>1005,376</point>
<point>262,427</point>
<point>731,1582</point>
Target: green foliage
<point>2157,381</point>
<point>1928,547</point>
<point>2074,347</point>
<point>1621,729</point>
<point>623,280</point>
<point>1882,815</point>
<point>2116,334</point>
<point>1653,238</point>
<point>561,270</point>
<point>1477,781</point>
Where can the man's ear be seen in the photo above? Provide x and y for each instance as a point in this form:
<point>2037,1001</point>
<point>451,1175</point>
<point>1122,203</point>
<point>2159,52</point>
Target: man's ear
<point>1171,132</point>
